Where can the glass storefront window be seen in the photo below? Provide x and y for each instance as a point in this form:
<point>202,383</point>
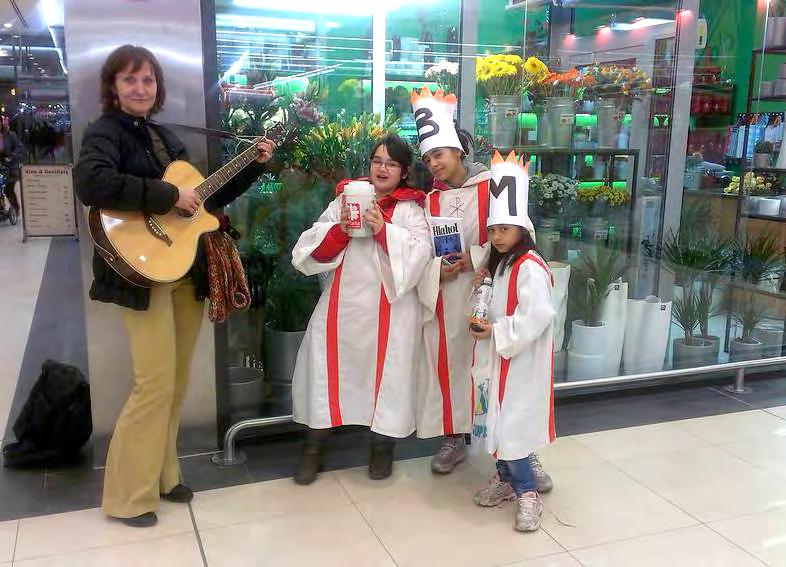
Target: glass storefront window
<point>656,188</point>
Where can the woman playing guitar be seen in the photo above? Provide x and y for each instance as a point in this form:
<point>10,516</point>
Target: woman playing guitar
<point>123,157</point>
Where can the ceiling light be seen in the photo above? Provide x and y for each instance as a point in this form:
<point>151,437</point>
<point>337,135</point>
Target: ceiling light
<point>640,23</point>
<point>287,24</point>
<point>8,25</point>
<point>347,7</point>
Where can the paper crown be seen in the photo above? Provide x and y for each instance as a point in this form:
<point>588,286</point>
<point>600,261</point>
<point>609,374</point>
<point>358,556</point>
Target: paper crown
<point>509,192</point>
<point>434,120</point>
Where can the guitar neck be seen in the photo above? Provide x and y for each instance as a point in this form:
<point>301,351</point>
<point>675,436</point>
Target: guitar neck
<point>227,172</point>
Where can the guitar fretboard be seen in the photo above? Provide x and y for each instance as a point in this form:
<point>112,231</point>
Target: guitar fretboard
<point>225,174</point>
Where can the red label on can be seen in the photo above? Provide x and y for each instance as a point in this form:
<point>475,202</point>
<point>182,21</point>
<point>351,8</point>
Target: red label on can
<point>354,215</point>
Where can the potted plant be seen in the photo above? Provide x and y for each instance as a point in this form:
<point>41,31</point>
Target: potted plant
<point>689,350</point>
<point>690,252</point>
<point>599,203</point>
<point>590,285</point>
<point>762,154</point>
<point>706,309</point>
<point>559,94</point>
<point>552,197</point>
<point>749,313</point>
<point>613,89</point>
<point>500,79</point>
<point>445,74</point>
<point>291,298</point>
<point>760,261</point>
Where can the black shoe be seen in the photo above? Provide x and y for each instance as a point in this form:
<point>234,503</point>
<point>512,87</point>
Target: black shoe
<point>312,456</point>
<point>180,494</point>
<point>380,462</point>
<point>146,520</point>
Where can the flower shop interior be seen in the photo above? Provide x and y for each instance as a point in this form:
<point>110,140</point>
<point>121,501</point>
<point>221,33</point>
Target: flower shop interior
<point>653,130</point>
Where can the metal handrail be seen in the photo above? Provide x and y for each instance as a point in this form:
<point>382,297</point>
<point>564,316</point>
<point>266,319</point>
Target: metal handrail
<point>231,456</point>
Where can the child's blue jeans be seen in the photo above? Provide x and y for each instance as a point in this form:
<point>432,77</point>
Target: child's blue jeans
<point>518,473</point>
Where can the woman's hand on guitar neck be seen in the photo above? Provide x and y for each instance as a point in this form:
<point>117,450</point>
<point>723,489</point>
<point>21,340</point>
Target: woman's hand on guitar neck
<point>187,201</point>
<point>265,148</point>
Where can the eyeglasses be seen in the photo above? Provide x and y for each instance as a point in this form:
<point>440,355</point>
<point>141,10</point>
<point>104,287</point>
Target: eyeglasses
<point>379,162</point>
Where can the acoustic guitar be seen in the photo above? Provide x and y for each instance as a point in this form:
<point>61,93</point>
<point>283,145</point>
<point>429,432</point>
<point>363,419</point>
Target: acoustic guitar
<point>149,249</point>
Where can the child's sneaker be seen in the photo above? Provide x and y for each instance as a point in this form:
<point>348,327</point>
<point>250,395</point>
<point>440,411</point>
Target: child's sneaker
<point>495,493</point>
<point>543,482</point>
<point>452,452</point>
<point>530,507</point>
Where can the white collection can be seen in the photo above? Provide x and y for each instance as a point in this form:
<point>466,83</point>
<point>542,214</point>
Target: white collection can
<point>359,197</point>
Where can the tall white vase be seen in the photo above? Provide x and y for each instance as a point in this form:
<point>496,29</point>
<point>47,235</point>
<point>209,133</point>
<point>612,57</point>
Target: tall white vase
<point>646,335</point>
<point>613,313</point>
<point>559,300</point>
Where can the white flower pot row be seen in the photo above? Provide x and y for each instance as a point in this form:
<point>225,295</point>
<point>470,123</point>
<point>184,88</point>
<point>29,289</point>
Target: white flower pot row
<point>634,333</point>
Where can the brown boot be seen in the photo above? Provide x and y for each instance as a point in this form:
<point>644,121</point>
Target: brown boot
<point>311,456</point>
<point>380,462</point>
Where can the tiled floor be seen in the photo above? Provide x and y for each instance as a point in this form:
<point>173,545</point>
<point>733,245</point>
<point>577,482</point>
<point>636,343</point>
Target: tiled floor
<point>21,270</point>
<point>701,492</point>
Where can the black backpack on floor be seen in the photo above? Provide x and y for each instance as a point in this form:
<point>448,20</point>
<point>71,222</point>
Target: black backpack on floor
<point>56,420</point>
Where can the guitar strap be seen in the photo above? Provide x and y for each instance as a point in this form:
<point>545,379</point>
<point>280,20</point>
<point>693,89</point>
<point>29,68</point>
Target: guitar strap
<point>159,149</point>
<point>204,131</point>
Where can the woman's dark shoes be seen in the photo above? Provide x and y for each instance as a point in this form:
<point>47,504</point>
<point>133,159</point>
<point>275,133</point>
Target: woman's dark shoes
<point>146,520</point>
<point>310,464</point>
<point>180,494</point>
<point>312,456</point>
<point>380,463</point>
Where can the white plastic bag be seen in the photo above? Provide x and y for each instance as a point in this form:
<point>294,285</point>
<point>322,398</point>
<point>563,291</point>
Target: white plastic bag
<point>613,313</point>
<point>479,415</point>
<point>559,300</point>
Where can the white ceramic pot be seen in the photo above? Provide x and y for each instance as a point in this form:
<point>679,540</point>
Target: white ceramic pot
<point>646,335</point>
<point>613,313</point>
<point>559,300</point>
<point>589,341</point>
<point>769,207</point>
<point>585,366</point>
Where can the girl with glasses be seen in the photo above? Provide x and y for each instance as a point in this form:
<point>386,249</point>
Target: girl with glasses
<point>357,364</point>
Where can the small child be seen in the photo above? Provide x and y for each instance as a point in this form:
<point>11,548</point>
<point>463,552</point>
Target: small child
<point>515,348</point>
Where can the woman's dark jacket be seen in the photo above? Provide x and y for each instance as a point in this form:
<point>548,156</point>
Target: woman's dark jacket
<point>118,169</point>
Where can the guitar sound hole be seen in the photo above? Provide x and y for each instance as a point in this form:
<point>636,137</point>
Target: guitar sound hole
<point>186,215</point>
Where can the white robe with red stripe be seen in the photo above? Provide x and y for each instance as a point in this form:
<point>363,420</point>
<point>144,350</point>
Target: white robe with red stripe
<point>357,363</point>
<point>518,359</point>
<point>445,391</point>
